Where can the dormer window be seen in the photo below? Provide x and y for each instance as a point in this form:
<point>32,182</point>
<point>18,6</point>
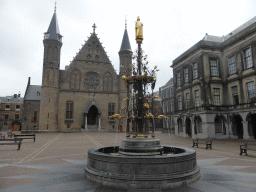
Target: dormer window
<point>59,38</point>
<point>46,36</point>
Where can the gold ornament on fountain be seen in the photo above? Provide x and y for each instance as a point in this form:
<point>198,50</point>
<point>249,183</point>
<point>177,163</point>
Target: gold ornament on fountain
<point>146,105</point>
<point>117,116</point>
<point>124,106</point>
<point>138,31</point>
<point>123,77</point>
<point>162,117</point>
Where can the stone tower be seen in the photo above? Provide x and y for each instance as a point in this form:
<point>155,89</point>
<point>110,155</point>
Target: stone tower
<point>50,80</point>
<point>125,57</point>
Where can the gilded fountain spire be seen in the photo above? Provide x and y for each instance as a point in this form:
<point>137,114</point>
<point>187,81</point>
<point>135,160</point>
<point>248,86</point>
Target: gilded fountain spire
<point>138,31</point>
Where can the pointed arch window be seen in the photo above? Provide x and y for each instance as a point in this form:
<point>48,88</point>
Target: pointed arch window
<point>56,54</point>
<point>107,82</point>
<point>75,80</point>
<point>50,54</point>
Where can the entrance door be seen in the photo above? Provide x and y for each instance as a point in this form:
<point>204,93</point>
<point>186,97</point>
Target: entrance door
<point>252,125</point>
<point>92,115</point>
<point>237,126</point>
<point>188,127</point>
<point>15,127</point>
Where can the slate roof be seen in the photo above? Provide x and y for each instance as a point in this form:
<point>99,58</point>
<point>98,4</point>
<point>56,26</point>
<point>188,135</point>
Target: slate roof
<point>125,46</point>
<point>218,42</point>
<point>32,93</point>
<point>53,29</point>
<point>240,28</point>
<point>213,38</point>
<point>168,83</point>
<point>11,99</point>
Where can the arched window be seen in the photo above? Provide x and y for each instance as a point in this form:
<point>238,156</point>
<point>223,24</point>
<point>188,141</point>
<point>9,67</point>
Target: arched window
<point>180,126</point>
<point>107,82</point>
<point>75,80</point>
<point>50,82</point>
<point>56,54</point>
<point>218,125</point>
<point>50,54</point>
<point>198,125</point>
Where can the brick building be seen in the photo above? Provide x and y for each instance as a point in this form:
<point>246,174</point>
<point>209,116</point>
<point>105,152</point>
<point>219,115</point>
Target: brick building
<point>11,113</point>
<point>214,84</point>
<point>82,96</point>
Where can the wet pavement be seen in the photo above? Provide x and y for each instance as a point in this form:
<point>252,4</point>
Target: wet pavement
<point>56,161</point>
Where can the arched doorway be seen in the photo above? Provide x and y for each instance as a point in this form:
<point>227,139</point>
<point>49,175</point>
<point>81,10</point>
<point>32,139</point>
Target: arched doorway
<point>252,125</point>
<point>237,126</point>
<point>198,125</point>
<point>180,127</point>
<point>92,116</point>
<point>188,126</point>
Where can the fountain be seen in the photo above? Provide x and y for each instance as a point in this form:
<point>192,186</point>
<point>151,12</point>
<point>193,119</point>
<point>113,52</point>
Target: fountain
<point>141,162</point>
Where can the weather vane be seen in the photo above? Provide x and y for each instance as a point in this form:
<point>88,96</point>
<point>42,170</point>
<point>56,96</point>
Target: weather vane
<point>125,21</point>
<point>55,6</point>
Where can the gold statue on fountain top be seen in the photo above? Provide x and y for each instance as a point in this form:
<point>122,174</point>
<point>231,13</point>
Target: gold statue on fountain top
<point>138,31</point>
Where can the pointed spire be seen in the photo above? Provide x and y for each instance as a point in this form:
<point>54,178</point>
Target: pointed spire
<point>53,31</point>
<point>125,46</point>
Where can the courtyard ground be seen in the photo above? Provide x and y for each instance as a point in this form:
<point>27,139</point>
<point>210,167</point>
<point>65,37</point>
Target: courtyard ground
<point>56,161</point>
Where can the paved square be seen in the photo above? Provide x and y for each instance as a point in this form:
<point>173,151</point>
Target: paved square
<point>56,161</point>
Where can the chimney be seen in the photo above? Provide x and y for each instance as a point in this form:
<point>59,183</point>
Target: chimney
<point>15,95</point>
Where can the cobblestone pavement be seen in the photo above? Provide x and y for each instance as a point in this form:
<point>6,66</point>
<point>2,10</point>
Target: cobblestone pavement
<point>56,161</point>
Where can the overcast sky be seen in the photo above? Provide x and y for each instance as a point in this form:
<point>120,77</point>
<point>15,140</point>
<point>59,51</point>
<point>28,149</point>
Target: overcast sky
<point>170,28</point>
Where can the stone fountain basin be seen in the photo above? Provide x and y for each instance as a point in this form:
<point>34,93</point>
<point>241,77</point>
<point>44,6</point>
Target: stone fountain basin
<point>175,167</point>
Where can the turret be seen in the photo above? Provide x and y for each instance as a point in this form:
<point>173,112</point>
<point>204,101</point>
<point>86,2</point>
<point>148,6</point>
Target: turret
<point>125,53</point>
<point>50,80</point>
<point>125,56</point>
<point>52,46</point>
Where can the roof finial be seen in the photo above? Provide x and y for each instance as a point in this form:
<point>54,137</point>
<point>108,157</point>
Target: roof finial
<point>94,26</point>
<point>55,6</point>
<point>125,21</point>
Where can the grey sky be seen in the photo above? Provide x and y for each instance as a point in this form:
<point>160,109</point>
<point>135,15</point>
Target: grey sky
<point>170,28</point>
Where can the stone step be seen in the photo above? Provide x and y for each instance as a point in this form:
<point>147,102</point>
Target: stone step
<point>92,127</point>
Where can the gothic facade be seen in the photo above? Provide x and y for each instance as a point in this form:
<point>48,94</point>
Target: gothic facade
<point>87,92</point>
